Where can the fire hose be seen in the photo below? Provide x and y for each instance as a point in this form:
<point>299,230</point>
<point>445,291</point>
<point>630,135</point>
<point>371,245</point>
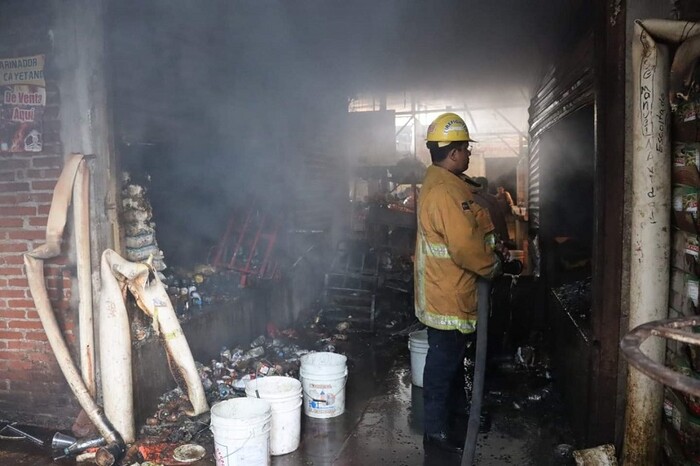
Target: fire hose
<point>511,268</point>
<point>115,422</point>
<point>483,290</point>
<point>34,264</point>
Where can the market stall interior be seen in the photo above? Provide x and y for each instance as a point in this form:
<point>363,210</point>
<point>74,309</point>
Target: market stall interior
<point>257,301</point>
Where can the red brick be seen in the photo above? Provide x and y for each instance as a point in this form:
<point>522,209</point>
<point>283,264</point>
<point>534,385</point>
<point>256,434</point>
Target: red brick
<point>16,211</point>
<point>43,185</point>
<point>4,282</point>
<point>53,281</point>
<point>14,259</point>
<point>28,324</point>
<point>58,261</point>
<point>43,357</point>
<point>5,293</point>
<point>27,345</point>
<point>13,355</point>
<point>52,147</point>
<point>12,164</point>
<point>32,314</point>
<point>17,375</point>
<point>27,234</point>
<point>20,303</point>
<point>13,314</point>
<point>21,282</point>
<point>43,210</point>
<point>8,199</point>
<point>38,336</point>
<point>47,162</point>
<point>13,187</point>
<point>11,222</point>
<point>19,365</point>
<point>37,221</point>
<point>8,335</point>
<point>39,384</point>
<point>9,176</point>
<point>61,305</point>
<point>46,173</point>
<point>13,247</point>
<point>44,198</point>
<point>9,271</point>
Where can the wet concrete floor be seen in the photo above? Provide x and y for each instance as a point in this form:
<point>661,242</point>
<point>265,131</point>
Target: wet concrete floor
<point>382,424</point>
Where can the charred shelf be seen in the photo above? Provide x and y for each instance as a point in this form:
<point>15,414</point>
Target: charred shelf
<point>574,300</point>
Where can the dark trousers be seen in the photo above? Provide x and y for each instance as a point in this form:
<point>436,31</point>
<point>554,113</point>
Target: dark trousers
<point>446,378</point>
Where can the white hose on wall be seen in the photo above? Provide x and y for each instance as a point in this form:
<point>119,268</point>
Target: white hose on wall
<point>115,354</point>
<point>118,276</point>
<point>142,281</point>
<point>81,217</point>
<point>34,266</point>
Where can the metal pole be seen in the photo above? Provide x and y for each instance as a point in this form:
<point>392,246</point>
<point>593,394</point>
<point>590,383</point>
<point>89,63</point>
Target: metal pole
<point>650,237</point>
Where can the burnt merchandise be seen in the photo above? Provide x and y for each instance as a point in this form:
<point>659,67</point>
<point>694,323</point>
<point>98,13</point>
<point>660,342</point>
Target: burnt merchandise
<point>576,297</point>
<point>686,160</point>
<point>140,235</point>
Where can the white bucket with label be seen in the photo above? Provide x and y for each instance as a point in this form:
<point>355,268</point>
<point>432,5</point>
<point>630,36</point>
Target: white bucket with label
<point>323,378</point>
<point>284,396</point>
<point>418,344</point>
<point>241,429</point>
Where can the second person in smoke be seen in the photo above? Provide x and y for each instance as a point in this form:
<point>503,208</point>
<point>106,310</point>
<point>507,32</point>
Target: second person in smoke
<point>490,202</point>
<point>504,199</point>
<point>454,246</point>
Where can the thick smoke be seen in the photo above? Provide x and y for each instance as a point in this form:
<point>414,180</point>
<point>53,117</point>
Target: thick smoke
<point>223,101</point>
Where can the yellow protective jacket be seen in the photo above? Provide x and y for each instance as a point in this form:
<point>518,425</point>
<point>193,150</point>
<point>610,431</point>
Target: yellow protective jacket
<point>452,250</point>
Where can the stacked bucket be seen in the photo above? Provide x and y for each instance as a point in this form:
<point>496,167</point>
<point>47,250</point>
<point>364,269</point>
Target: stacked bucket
<point>268,420</point>
<point>284,396</point>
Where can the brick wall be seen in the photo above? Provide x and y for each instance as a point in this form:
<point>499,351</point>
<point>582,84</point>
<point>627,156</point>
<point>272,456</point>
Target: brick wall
<point>32,388</point>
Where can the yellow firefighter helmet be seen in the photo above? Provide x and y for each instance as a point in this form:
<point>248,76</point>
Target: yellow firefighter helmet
<point>448,128</point>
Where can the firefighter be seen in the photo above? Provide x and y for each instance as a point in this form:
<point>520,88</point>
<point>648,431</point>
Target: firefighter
<point>454,246</point>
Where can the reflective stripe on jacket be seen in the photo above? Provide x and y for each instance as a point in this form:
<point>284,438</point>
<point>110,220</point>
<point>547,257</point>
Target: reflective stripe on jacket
<point>451,251</point>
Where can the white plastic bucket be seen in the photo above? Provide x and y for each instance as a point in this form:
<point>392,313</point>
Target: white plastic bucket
<point>323,378</point>
<point>284,396</point>
<point>418,344</point>
<point>241,428</point>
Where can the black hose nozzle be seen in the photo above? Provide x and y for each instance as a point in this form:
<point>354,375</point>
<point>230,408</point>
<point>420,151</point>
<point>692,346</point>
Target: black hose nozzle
<point>512,267</point>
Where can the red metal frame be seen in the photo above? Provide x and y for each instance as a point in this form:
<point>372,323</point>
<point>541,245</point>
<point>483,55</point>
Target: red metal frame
<point>251,233</point>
